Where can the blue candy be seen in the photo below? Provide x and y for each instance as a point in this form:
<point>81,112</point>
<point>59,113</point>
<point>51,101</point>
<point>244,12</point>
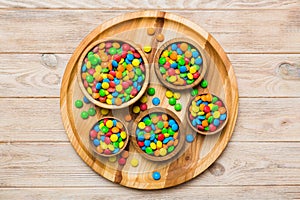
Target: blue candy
<point>195,54</point>
<point>216,122</point>
<point>174,47</point>
<point>98,86</point>
<point>130,57</point>
<point>174,65</point>
<point>198,61</point>
<point>182,69</point>
<point>156,175</point>
<point>83,69</point>
<point>114,63</point>
<point>86,100</point>
<point>96,128</point>
<point>147,143</point>
<point>96,142</point>
<point>223,117</point>
<point>171,122</point>
<point>189,138</point>
<point>175,127</point>
<point>179,51</point>
<point>156,101</point>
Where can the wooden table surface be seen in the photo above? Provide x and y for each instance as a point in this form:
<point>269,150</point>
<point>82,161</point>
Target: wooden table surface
<point>262,40</point>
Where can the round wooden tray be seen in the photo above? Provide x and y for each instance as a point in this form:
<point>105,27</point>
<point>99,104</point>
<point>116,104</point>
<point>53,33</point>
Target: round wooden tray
<point>194,157</point>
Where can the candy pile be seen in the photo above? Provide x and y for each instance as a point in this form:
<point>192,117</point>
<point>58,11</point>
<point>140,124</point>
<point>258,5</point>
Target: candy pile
<point>207,112</point>
<point>180,64</point>
<point>113,72</point>
<point>157,134</point>
<point>108,136</point>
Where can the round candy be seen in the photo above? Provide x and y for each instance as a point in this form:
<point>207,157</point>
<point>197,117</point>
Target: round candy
<point>204,83</point>
<point>189,138</point>
<point>178,107</point>
<point>136,109</point>
<point>150,31</point>
<point>169,94</point>
<point>84,115</point>
<point>156,101</point>
<point>122,161</point>
<point>160,37</point>
<point>147,49</point>
<point>78,104</point>
<point>104,111</point>
<point>151,91</point>
<point>172,101</point>
<point>134,162</point>
<point>86,100</point>
<point>92,112</point>
<point>156,175</point>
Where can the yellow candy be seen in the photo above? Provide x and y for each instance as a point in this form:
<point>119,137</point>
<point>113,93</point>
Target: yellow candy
<point>112,159</point>
<point>123,135</point>
<point>134,162</point>
<point>108,101</point>
<point>110,96</point>
<point>147,48</point>
<point>109,123</point>
<point>159,144</point>
<point>177,95</point>
<point>103,145</point>
<point>193,70</point>
<point>165,53</point>
<point>172,79</point>
<point>141,125</point>
<point>210,105</point>
<point>105,85</point>
<point>136,109</point>
<point>190,76</point>
<point>126,78</point>
<point>193,114</point>
<point>169,94</point>
<point>89,90</point>
<point>121,144</point>
<point>144,99</point>
<point>101,125</point>
<point>88,65</point>
<point>162,152</point>
<point>195,109</point>
<point>153,145</point>
<point>201,113</point>
<point>104,111</point>
<point>166,135</point>
<point>119,88</point>
<point>114,137</point>
<point>111,147</point>
<point>104,76</point>
<point>98,68</point>
<point>193,61</point>
<point>216,114</point>
<point>135,62</point>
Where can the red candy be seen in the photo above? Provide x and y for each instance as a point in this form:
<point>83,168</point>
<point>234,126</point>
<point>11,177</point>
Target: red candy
<point>206,109</point>
<point>93,134</point>
<point>122,161</point>
<point>148,129</point>
<point>161,137</point>
<point>125,47</point>
<point>143,107</point>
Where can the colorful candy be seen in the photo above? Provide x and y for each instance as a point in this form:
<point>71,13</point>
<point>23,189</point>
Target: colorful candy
<point>113,72</point>
<point>157,134</point>
<point>108,136</point>
<point>147,49</point>
<point>156,175</point>
<point>91,111</point>
<point>156,101</point>
<point>207,112</point>
<point>78,104</point>
<point>151,91</point>
<point>180,64</point>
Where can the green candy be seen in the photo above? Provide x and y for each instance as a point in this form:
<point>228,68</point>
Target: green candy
<point>128,90</point>
<point>215,108</point>
<point>204,83</point>
<point>160,124</point>
<point>104,129</point>
<point>112,51</point>
<point>172,101</point>
<point>210,119</point>
<point>189,82</point>
<point>78,104</point>
<point>214,99</point>
<point>194,92</point>
<point>151,91</point>
<point>181,62</point>
<point>206,128</point>
<point>170,149</point>
<point>120,139</point>
<point>116,144</point>
<point>178,107</point>
<point>148,122</point>
<point>138,71</point>
<point>92,112</point>
<point>170,131</point>
<point>149,150</point>
<point>102,93</point>
<point>90,54</point>
<point>183,75</point>
<point>164,130</point>
<point>84,115</point>
<point>162,70</point>
<point>162,60</point>
<point>89,78</point>
<point>127,98</point>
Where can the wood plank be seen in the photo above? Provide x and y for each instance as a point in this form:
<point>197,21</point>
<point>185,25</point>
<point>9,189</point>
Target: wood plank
<point>57,165</point>
<point>258,75</point>
<point>180,192</point>
<point>236,30</point>
<point>148,4</point>
<point>34,123</point>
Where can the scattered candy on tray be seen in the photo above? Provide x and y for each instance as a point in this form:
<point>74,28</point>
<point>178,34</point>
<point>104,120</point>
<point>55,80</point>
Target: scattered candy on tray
<point>189,138</point>
<point>147,49</point>
<point>156,175</point>
<point>78,104</point>
<point>157,134</point>
<point>204,83</point>
<point>207,112</point>
<point>84,115</point>
<point>160,37</point>
<point>91,112</point>
<point>178,107</point>
<point>113,72</point>
<point>150,31</point>
<point>156,101</point>
<point>134,162</point>
<point>108,136</point>
<point>128,118</point>
<point>180,64</point>
<point>86,100</point>
<point>151,91</point>
<point>104,111</point>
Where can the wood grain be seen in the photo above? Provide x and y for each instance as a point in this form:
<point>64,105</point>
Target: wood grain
<point>241,164</point>
<point>180,192</point>
<point>258,75</point>
<point>281,126</point>
<point>149,4</point>
<point>266,31</point>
